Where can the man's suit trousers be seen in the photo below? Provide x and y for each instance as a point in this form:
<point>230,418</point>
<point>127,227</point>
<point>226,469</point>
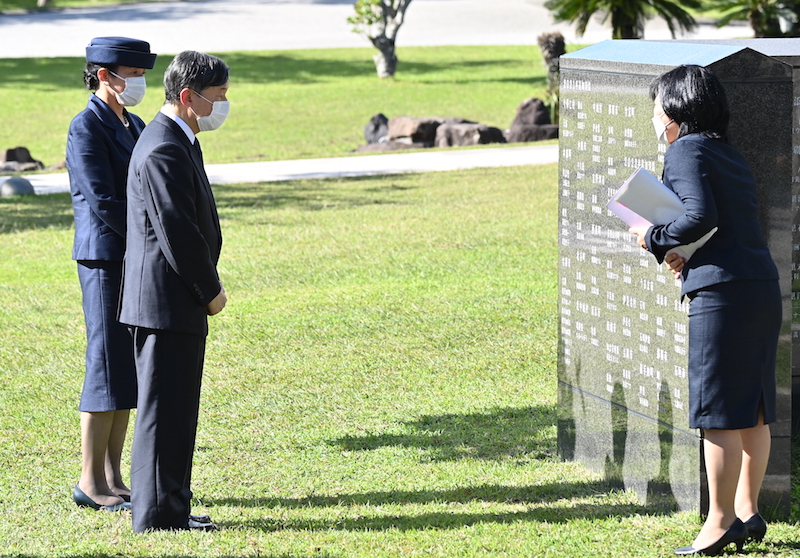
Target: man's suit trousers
<point>169,370</point>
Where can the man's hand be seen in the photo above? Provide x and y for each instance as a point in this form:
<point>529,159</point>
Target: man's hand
<point>216,305</point>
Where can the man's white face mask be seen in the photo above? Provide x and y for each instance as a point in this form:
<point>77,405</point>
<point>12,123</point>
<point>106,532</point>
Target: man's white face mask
<point>219,112</point>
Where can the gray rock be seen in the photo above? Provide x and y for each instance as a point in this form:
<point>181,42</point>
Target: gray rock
<point>531,112</point>
<point>18,159</point>
<point>522,133</point>
<point>448,135</point>
<point>389,146</point>
<point>16,186</point>
<point>419,130</point>
<point>376,129</point>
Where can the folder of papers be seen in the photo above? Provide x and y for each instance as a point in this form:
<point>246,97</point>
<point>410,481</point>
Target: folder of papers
<point>643,200</point>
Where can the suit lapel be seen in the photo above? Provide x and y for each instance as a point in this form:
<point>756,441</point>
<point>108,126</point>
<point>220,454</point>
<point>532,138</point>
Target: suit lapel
<point>109,119</point>
<point>197,162</point>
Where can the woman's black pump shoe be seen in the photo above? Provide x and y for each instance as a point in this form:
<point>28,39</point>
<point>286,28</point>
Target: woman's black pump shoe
<point>756,528</point>
<point>80,498</point>
<point>737,534</point>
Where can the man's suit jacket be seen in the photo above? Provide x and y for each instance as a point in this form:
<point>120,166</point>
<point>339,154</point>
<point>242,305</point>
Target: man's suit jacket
<point>173,234</point>
<point>98,151</point>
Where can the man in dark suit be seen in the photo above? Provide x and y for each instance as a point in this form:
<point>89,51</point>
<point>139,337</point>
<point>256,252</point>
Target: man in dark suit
<point>170,287</point>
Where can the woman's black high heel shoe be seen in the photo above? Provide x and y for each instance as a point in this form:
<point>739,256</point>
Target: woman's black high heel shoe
<point>737,534</point>
<point>756,528</point>
<point>80,498</point>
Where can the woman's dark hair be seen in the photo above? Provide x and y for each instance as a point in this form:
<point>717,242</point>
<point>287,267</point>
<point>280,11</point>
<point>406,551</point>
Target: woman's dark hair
<point>193,70</point>
<point>90,78</point>
<point>693,97</point>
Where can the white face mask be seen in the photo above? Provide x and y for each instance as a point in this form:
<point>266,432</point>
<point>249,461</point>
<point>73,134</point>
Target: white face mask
<point>219,112</point>
<point>660,127</point>
<point>134,91</point>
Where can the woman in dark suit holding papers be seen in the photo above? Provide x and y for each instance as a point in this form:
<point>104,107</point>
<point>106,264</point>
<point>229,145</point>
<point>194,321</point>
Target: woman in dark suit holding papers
<point>735,305</point>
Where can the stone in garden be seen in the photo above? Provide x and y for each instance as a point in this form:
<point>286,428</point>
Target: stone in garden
<point>448,135</point>
<point>532,123</point>
<point>536,132</point>
<point>530,112</point>
<point>16,186</point>
<point>419,130</point>
<point>376,129</point>
<point>18,159</point>
<point>390,145</point>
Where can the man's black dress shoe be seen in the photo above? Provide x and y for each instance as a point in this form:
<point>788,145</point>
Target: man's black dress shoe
<point>201,526</point>
<point>200,518</point>
<point>756,528</point>
<point>80,498</point>
<point>737,534</point>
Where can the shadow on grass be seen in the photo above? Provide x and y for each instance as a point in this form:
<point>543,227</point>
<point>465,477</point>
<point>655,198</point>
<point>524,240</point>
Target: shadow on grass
<point>505,432</point>
<point>268,68</point>
<point>272,68</point>
<point>540,496</point>
<point>312,194</point>
<point>21,213</point>
<point>487,493</point>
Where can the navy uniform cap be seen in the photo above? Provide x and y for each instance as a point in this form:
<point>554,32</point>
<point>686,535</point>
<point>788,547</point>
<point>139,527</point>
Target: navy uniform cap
<point>120,51</point>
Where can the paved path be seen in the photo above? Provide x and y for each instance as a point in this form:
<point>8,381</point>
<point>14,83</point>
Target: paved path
<point>349,166</point>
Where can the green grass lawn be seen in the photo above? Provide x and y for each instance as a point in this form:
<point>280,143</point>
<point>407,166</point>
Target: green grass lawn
<point>288,104</point>
<point>383,381</point>
<point>381,384</point>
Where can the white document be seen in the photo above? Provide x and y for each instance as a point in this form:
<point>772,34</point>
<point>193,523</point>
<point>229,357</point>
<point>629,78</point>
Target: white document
<point>643,200</point>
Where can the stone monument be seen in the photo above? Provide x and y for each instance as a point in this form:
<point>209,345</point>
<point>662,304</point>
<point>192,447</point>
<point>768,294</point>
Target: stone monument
<point>623,343</point>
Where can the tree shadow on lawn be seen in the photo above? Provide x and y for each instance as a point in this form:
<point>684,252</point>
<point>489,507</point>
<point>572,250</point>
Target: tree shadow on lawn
<point>21,213</point>
<point>270,68</point>
<point>500,433</point>
<point>312,194</point>
<point>504,432</point>
<point>445,520</point>
<point>266,68</point>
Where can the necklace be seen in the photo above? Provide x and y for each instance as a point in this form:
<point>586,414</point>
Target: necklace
<point>125,122</point>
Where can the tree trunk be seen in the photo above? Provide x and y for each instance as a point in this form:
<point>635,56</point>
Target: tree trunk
<point>385,59</point>
<point>384,41</point>
<point>625,27</point>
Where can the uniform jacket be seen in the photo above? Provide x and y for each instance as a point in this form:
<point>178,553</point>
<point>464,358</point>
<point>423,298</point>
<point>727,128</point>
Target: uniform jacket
<point>717,188</point>
<point>173,236</point>
<point>98,151</point>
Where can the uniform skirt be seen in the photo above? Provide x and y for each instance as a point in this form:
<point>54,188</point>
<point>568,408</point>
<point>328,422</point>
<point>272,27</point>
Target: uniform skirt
<point>733,340</point>
<point>110,381</point>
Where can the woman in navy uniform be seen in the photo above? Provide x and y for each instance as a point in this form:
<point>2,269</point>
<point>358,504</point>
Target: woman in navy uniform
<point>735,302</point>
<point>99,146</point>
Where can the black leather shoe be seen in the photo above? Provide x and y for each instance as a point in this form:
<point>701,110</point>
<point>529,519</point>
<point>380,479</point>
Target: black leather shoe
<point>80,498</point>
<point>737,534</point>
<point>756,528</point>
<point>198,526</point>
<point>200,518</point>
